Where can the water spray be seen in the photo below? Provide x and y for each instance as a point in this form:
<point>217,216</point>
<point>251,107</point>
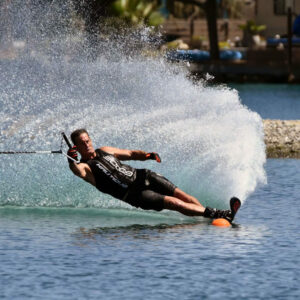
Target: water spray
<point>212,145</point>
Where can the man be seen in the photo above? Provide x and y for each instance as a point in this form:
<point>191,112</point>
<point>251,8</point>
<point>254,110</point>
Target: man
<point>139,187</point>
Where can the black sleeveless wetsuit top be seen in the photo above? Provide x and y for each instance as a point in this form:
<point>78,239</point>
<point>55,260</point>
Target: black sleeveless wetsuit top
<point>111,176</point>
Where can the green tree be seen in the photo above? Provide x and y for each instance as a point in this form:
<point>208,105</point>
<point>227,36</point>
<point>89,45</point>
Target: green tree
<point>232,8</point>
<point>138,11</point>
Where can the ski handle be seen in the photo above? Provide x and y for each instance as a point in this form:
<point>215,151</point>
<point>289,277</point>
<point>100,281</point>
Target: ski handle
<point>68,143</point>
<point>66,140</point>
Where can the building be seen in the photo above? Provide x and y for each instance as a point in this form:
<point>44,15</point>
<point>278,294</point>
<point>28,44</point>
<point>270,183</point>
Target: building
<point>273,14</point>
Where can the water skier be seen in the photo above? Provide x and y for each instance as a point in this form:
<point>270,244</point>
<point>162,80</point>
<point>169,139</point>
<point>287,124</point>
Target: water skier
<point>138,187</point>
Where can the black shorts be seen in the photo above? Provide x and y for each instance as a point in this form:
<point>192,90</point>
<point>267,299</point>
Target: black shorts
<point>150,191</point>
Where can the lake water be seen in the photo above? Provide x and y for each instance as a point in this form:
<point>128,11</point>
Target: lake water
<point>66,243</point>
<point>272,101</point>
<point>62,239</point>
<point>73,253</point>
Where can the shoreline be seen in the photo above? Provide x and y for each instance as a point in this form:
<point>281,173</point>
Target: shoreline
<point>282,138</point>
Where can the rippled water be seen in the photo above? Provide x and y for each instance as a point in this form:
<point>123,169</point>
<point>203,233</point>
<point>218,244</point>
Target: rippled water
<point>61,239</point>
<point>92,253</point>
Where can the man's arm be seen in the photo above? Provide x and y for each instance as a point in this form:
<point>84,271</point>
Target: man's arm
<point>78,169</point>
<point>124,154</point>
<point>83,171</point>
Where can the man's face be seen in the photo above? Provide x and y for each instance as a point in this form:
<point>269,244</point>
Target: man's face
<point>84,145</point>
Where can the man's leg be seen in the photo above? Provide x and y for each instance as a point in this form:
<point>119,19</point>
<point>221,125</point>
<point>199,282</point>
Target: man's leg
<point>176,199</point>
<point>163,186</point>
<point>191,209</point>
<point>188,209</point>
<point>179,194</point>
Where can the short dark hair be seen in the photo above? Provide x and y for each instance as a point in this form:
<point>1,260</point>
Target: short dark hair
<point>76,133</point>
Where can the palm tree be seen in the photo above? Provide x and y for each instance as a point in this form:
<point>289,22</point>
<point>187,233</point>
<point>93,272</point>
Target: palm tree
<point>210,8</point>
<point>139,11</point>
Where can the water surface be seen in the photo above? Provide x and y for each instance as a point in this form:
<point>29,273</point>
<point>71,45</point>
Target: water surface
<point>94,253</point>
<point>271,101</point>
<point>62,239</point>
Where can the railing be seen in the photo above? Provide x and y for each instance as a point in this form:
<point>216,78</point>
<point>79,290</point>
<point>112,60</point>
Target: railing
<point>185,29</point>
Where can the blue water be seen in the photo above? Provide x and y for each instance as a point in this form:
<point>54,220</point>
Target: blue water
<point>271,101</point>
<point>71,253</point>
<point>62,239</point>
